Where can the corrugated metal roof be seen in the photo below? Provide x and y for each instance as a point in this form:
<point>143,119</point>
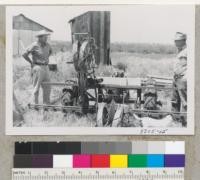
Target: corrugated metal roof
<point>22,15</point>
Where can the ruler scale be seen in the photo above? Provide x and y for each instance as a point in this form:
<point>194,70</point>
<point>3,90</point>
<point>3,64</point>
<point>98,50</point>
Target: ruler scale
<point>98,174</point>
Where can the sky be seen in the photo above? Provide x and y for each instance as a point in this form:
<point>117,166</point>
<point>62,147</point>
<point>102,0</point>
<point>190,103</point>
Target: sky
<point>129,23</point>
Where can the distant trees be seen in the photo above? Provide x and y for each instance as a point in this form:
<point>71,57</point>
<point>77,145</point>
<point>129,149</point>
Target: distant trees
<point>143,48</point>
<point>140,48</point>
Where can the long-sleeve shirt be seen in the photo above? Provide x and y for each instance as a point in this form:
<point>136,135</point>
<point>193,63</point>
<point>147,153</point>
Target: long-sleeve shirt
<point>180,68</point>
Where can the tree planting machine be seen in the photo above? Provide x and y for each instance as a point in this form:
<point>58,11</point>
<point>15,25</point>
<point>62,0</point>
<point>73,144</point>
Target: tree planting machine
<point>113,99</point>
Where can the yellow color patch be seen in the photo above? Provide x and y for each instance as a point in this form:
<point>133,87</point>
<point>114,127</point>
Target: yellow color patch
<point>118,161</point>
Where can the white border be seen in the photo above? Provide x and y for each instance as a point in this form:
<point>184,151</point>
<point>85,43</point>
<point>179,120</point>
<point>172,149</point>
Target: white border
<point>95,2</point>
<point>10,130</point>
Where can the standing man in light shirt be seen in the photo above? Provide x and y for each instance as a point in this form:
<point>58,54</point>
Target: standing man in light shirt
<point>40,51</point>
<point>179,98</point>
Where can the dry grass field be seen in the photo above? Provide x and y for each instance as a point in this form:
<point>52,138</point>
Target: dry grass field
<point>138,65</point>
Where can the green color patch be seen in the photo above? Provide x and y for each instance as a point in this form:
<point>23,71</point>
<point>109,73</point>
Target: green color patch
<point>137,160</point>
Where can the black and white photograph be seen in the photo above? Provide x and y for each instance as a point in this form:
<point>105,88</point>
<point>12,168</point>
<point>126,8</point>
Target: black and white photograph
<point>115,69</point>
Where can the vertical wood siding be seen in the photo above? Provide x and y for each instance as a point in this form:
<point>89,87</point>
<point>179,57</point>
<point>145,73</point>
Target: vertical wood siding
<point>97,23</point>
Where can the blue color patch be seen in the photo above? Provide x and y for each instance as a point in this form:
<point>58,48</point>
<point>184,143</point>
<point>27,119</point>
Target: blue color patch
<point>155,160</point>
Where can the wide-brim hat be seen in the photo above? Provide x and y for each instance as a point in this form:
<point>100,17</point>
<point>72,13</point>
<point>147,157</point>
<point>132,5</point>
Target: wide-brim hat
<point>180,36</point>
<point>42,33</point>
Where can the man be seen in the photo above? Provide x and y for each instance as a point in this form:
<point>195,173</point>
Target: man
<point>179,98</point>
<point>40,51</point>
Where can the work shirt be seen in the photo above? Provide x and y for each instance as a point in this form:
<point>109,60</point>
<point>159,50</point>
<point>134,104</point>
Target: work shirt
<point>180,68</point>
<point>40,53</point>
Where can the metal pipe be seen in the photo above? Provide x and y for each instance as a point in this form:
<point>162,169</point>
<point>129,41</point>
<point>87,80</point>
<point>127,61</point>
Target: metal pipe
<point>86,33</point>
<point>59,84</point>
<point>157,112</point>
<point>157,77</point>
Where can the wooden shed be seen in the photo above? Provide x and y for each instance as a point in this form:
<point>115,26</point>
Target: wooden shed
<point>24,30</point>
<point>97,24</point>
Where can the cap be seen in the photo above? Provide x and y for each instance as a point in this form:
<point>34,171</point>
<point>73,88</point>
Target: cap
<point>42,33</point>
<point>180,36</point>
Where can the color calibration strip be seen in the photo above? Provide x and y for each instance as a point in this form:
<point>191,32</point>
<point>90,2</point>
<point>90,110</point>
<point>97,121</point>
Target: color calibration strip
<point>139,154</point>
<point>99,161</point>
<point>99,174</point>
<point>135,147</point>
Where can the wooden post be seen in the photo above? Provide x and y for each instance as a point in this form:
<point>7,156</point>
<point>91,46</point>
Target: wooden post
<point>102,35</point>
<point>18,39</point>
<point>107,38</point>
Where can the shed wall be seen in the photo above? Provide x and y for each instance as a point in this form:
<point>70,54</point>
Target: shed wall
<point>97,24</point>
<point>24,31</point>
<point>22,39</point>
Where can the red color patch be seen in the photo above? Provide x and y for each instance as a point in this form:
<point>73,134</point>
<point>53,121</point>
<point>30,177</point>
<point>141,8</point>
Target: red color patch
<point>100,161</point>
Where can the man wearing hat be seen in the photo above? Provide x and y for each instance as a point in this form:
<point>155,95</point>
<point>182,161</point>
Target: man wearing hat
<point>179,98</point>
<point>40,51</point>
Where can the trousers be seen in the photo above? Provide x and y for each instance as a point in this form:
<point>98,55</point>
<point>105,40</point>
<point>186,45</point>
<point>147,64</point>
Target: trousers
<point>179,96</point>
<point>41,74</point>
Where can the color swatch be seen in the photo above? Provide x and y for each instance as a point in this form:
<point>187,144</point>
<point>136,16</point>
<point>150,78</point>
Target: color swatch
<point>155,160</point>
<point>174,160</point>
<point>137,160</point>
<point>62,161</point>
<point>118,161</point>
<point>100,161</point>
<point>81,161</point>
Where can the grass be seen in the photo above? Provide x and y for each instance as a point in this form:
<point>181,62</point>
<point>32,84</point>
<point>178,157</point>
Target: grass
<point>140,66</point>
<point>136,65</point>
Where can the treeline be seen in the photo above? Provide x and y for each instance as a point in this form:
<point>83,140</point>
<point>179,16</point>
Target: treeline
<point>140,48</point>
<point>143,48</point>
<point>61,46</point>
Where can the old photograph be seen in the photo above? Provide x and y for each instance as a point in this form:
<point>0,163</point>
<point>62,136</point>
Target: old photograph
<point>117,69</point>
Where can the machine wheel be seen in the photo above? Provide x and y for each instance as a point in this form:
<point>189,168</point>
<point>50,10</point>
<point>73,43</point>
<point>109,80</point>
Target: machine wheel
<point>67,98</point>
<point>108,114</point>
<point>83,102</point>
<point>105,116</point>
<point>150,103</point>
